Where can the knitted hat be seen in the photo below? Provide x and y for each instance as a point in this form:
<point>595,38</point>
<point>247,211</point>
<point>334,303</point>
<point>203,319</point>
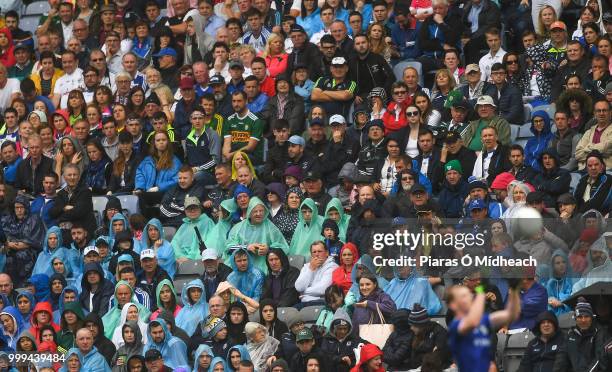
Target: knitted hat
<point>502,181</point>
<point>477,184</point>
<point>294,171</point>
<point>453,165</point>
<point>212,326</point>
<point>418,315</point>
<point>330,224</point>
<point>583,308</point>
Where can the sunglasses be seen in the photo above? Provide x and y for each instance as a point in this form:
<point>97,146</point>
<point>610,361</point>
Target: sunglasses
<point>399,92</point>
<point>512,62</point>
<point>412,113</point>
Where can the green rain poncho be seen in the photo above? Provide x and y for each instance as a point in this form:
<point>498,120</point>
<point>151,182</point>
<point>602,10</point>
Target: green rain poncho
<point>306,233</point>
<point>245,233</point>
<point>113,317</point>
<point>343,224</point>
<point>217,236</point>
<point>185,241</point>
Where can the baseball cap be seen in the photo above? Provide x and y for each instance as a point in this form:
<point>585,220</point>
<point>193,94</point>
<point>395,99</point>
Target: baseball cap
<point>304,334</point>
<point>312,175</point>
<point>147,253</point>
<point>452,137</point>
<point>209,254</point>
<point>166,52</point>
<point>297,140</point>
<point>297,28</point>
<point>471,68</point>
<point>186,83</point>
<point>337,119</point>
<point>558,24</point>
<point>485,100</point>
<point>22,46</point>
<point>190,201</point>
<point>216,80</point>
<point>417,188</point>
<point>317,121</point>
<point>90,249</point>
<point>476,204</point>
<point>234,63</point>
<point>152,354</point>
<point>125,258</point>
<point>339,61</point>
<point>108,8</point>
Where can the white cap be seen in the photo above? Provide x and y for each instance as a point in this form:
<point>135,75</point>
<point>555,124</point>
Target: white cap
<point>209,254</point>
<point>90,249</point>
<point>338,61</point>
<point>337,119</point>
<point>485,100</point>
<point>147,253</point>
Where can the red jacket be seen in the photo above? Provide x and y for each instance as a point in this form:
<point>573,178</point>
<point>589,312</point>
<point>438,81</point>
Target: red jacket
<point>35,329</point>
<point>368,352</point>
<point>7,58</point>
<point>340,276</point>
<point>395,116</point>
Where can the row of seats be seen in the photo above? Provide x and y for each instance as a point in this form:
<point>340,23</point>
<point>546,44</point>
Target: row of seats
<point>128,202</point>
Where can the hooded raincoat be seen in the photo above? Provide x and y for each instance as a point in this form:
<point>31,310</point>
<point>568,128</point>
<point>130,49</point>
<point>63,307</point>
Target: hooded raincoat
<point>248,282</point>
<point>117,338</point>
<point>306,233</point>
<point>192,314</point>
<point>66,337</point>
<point>128,349</point>
<point>406,292</point>
<point>164,253</point>
<point>112,318</point>
<point>43,262</point>
<point>35,328</point>
<point>245,233</point>
<point>217,237</point>
<point>11,338</point>
<point>185,242</point>
<point>541,141</point>
<point>244,355</point>
<point>160,306</point>
<point>202,349</point>
<point>27,294</point>
<point>601,273</point>
<point>560,287</point>
<point>345,218</point>
<point>172,349</point>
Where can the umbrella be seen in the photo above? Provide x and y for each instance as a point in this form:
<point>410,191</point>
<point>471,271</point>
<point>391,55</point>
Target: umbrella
<point>593,294</point>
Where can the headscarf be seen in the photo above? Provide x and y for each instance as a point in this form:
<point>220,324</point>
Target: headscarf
<point>260,352</point>
<point>560,287</point>
<point>117,338</point>
<point>306,233</point>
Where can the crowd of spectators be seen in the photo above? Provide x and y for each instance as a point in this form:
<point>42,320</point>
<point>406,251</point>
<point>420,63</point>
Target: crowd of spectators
<point>272,143</point>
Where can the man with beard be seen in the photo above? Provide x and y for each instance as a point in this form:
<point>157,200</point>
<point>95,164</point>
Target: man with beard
<point>297,156</point>
<point>221,191</point>
<point>369,69</point>
<point>223,99</point>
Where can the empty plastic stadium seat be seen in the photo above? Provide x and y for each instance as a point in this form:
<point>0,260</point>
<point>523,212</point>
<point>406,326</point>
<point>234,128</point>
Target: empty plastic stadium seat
<point>191,268</point>
<point>99,203</point>
<point>129,202</point>
<point>29,23</point>
<point>169,232</point>
<point>283,313</point>
<point>575,179</point>
<point>310,314</point>
<point>254,317</point>
<point>566,321</point>
<point>297,261</point>
<point>515,349</point>
<point>179,283</point>
<point>36,8</point>
<point>514,132</point>
<point>527,112</point>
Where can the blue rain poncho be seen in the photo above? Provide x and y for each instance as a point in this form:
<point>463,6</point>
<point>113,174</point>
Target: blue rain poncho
<point>71,352</point>
<point>172,349</point>
<point>414,289</point>
<point>343,224</point>
<point>244,355</point>
<point>94,361</point>
<point>306,233</point>
<point>215,361</point>
<point>126,227</point>
<point>217,237</point>
<point>57,314</point>
<point>185,242</point>
<point>27,294</point>
<point>560,287</point>
<point>202,349</point>
<point>165,253</point>
<point>192,314</point>
<point>112,318</point>
<point>11,338</point>
<point>245,233</point>
<point>41,287</point>
<point>248,282</point>
<point>43,262</point>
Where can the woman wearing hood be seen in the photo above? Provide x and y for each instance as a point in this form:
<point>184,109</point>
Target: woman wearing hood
<point>56,284</point>
<point>26,342</point>
<point>131,344</point>
<point>364,265</point>
<point>24,233</point>
<point>268,317</point>
<point>165,295</point>
<point>129,313</point>
<point>153,237</point>
<point>63,267</point>
<point>74,361</point>
<point>342,276</point>
<point>52,244</point>
<point>195,306</point>
<point>540,127</point>
<point>203,357</point>
<point>217,237</point>
<point>370,360</point>
<point>409,288</point>
<point>308,229</point>
<point>124,295</point>
<point>517,192</point>
<point>12,325</point>
<point>71,322</point>
<point>279,284</point>
<point>236,355</point>
<point>335,211</point>
<point>260,345</point>
<point>258,233</point>
<point>197,42</point>
<point>7,56</point>
<point>42,315</point>
<point>371,300</point>
<point>218,365</point>
<point>60,123</point>
<point>25,302</point>
<point>288,217</point>
<point>98,171</point>
<point>559,286</point>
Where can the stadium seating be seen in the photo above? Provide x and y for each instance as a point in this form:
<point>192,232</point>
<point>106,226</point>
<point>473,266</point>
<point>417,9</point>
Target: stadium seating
<point>310,314</point>
<point>169,232</point>
<point>99,203</point>
<point>29,23</point>
<point>515,347</point>
<point>179,283</point>
<point>190,268</point>
<point>36,8</point>
<point>283,313</point>
<point>129,203</point>
<point>297,261</point>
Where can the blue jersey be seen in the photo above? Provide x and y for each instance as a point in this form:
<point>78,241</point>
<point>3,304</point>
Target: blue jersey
<point>472,352</point>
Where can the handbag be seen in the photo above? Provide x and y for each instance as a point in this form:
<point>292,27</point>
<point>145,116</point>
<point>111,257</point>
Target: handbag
<point>376,334</point>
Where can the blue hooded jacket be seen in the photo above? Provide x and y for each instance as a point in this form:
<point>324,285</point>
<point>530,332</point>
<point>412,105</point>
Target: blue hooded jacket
<point>71,352</point>
<point>57,314</point>
<point>94,361</point>
<point>248,282</point>
<point>172,349</point>
<point>413,289</point>
<point>192,314</point>
<point>13,312</point>
<point>148,176</point>
<point>32,299</point>
<point>244,355</point>
<point>539,143</point>
<point>239,189</point>
<point>215,361</point>
<point>41,283</point>
<point>126,227</point>
<point>203,348</point>
<point>165,253</point>
<point>43,262</point>
<point>560,288</point>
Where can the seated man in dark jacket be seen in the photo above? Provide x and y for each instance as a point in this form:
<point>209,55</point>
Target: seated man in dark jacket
<point>339,343</point>
<point>306,348</point>
<point>542,350</point>
<point>279,284</point>
<point>93,322</point>
<point>215,272</point>
<point>172,208</point>
<point>507,97</point>
<point>553,181</point>
<point>277,154</point>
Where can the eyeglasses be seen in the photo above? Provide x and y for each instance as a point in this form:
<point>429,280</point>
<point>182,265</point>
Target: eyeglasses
<point>399,92</point>
<point>407,178</point>
<point>412,113</point>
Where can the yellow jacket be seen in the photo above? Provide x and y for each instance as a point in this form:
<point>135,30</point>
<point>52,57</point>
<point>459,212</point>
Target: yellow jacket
<point>36,78</point>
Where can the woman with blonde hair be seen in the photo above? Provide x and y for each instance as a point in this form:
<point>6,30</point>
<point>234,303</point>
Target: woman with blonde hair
<point>380,41</point>
<point>239,160</point>
<point>444,83</point>
<point>546,16</point>
<point>275,55</point>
